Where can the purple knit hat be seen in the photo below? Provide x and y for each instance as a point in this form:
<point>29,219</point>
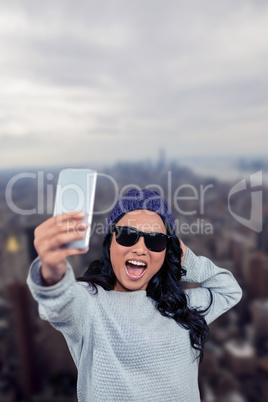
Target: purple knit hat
<point>140,199</point>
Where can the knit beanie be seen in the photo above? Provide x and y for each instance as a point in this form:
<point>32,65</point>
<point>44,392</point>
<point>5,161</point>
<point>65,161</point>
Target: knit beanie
<point>140,199</point>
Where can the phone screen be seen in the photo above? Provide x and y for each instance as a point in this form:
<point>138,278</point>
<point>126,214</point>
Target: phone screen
<point>76,192</point>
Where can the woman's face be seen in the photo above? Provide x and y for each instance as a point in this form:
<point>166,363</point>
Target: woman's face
<point>134,266</point>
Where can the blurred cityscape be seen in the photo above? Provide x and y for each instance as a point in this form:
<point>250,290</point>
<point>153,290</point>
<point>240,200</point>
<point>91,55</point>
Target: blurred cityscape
<point>35,364</point>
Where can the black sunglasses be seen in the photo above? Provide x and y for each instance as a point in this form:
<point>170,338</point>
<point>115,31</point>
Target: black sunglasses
<point>128,236</point>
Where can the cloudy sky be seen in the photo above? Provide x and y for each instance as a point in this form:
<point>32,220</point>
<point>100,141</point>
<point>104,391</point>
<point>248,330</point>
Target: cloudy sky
<point>108,80</point>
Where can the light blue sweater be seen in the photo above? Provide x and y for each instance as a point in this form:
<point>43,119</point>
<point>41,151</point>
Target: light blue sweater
<point>124,349</point>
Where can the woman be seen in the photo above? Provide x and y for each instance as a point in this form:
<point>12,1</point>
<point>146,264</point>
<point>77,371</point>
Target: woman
<point>132,330</point>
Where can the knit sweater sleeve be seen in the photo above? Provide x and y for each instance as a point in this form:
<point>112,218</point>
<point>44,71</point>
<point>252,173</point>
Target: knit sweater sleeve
<point>64,305</point>
<point>224,288</point>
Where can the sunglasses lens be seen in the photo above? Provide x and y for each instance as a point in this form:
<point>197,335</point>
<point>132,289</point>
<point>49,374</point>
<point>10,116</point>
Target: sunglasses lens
<point>126,237</point>
<point>156,241</point>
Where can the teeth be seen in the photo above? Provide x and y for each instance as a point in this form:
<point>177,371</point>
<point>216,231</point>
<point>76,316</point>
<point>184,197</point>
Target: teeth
<point>138,263</point>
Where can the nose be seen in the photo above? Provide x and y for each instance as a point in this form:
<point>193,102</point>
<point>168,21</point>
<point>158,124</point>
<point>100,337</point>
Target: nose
<point>140,247</point>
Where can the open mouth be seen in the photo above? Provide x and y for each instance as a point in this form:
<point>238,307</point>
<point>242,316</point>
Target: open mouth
<point>135,269</point>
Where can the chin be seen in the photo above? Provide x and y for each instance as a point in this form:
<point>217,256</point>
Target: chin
<point>129,287</point>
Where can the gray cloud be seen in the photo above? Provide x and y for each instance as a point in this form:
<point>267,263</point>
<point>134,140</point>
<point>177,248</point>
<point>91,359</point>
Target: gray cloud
<point>94,79</point>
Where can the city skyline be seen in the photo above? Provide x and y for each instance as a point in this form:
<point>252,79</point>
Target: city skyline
<point>235,363</point>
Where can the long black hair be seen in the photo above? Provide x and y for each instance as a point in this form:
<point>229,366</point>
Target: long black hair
<point>165,288</point>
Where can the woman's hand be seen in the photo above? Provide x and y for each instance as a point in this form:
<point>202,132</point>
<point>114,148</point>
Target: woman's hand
<point>50,238</point>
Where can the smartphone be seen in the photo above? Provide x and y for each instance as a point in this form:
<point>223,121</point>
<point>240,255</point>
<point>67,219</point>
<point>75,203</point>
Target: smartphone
<point>76,192</point>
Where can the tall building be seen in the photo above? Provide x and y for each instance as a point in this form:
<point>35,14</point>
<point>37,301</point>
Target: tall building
<point>257,276</point>
<point>240,356</point>
<point>259,312</point>
<point>24,330</point>
<point>262,241</point>
<point>14,259</point>
<point>240,249</point>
